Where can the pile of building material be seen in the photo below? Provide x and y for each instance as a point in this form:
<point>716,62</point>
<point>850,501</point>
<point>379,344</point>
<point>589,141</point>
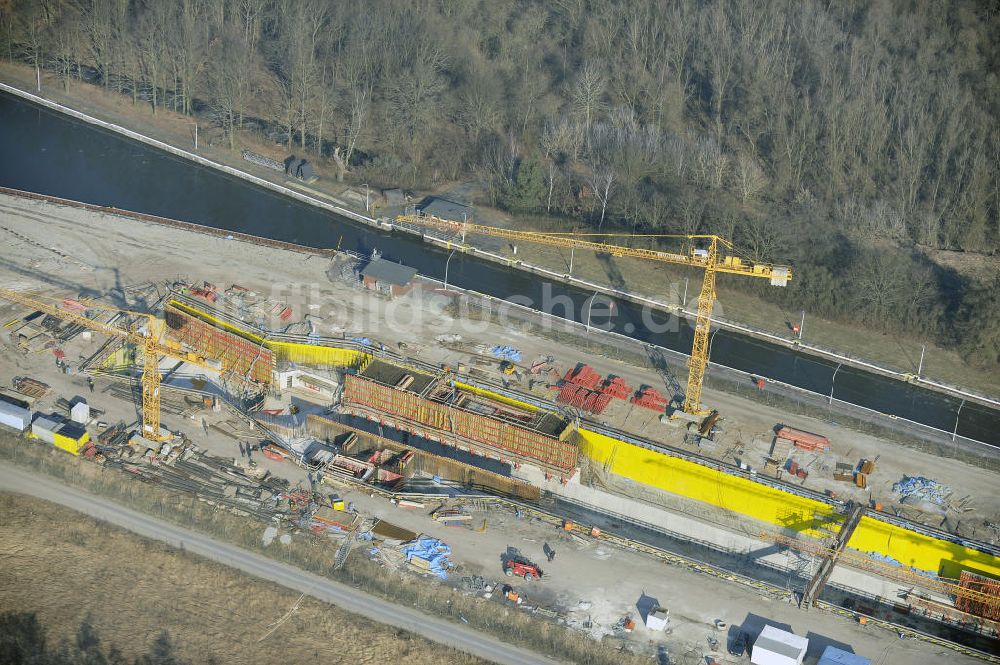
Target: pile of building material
<point>504,352</point>
<point>802,439</point>
<point>325,520</point>
<point>917,489</point>
<point>583,398</point>
<point>451,516</point>
<point>585,376</point>
<point>615,386</point>
<point>30,387</point>
<point>429,555</point>
<point>585,389</point>
<point>261,160</point>
<point>649,397</point>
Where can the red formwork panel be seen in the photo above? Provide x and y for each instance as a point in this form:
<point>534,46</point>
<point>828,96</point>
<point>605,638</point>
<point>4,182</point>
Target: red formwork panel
<point>616,387</point>
<point>548,451</point>
<point>650,398</point>
<point>584,375</point>
<point>803,439</point>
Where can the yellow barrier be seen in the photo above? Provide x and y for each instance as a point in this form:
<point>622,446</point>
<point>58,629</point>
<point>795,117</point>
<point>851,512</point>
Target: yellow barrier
<point>920,551</point>
<point>482,392</point>
<point>780,508</point>
<point>316,354</point>
<point>306,354</point>
<point>711,486</point>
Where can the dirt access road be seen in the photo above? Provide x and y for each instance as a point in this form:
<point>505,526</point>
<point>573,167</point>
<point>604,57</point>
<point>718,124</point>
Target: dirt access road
<point>350,599</point>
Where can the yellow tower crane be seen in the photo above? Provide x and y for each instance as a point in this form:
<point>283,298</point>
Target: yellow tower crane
<point>718,257</point>
<point>145,337</point>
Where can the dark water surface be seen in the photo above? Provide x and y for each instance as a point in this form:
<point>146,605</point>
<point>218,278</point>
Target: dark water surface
<point>45,152</point>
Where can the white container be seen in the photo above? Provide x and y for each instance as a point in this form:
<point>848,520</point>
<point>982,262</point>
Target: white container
<point>45,429</point>
<point>80,412</point>
<point>658,618</point>
<point>778,647</point>
<point>15,417</point>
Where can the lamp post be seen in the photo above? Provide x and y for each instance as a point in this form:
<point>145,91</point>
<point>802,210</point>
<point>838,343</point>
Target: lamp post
<point>833,381</point>
<point>590,306</point>
<point>802,324</point>
<point>954,432</point>
<point>446,263</point>
<point>685,300</point>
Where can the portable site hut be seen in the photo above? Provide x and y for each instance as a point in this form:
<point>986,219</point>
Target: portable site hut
<point>778,647</point>
<point>384,276</point>
<point>72,437</point>
<point>834,656</point>
<point>16,417</point>
<point>657,618</point>
<point>44,428</point>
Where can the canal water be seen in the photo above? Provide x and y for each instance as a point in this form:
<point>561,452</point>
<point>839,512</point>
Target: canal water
<point>45,152</point>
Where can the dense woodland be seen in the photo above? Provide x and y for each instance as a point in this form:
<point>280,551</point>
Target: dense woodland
<point>849,138</point>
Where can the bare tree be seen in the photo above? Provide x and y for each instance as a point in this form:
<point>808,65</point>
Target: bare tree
<point>749,177</point>
<point>602,180</point>
<point>587,92</point>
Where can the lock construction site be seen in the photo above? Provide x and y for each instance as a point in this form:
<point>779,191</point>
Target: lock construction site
<point>582,479</point>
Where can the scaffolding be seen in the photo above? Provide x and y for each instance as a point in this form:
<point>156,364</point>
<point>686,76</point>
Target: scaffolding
<point>538,439</point>
<point>973,594</point>
<point>238,355</point>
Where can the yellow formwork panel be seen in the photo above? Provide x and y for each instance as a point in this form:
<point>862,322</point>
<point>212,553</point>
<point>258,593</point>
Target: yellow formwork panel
<point>121,357</point>
<point>919,551</point>
<point>316,354</point>
<point>482,392</point>
<point>310,354</point>
<point>709,485</point>
<point>780,508</point>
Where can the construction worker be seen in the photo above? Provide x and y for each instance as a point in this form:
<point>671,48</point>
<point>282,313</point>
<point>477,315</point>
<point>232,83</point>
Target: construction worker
<point>90,383</point>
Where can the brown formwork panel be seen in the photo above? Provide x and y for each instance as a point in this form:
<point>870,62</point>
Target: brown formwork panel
<point>437,465</point>
<point>475,427</point>
<point>988,607</point>
<point>234,352</point>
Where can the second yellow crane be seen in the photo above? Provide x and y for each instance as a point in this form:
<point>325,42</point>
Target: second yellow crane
<point>145,337</point>
<point>717,256</point>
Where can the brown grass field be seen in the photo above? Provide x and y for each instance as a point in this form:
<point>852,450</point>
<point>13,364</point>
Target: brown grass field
<point>139,595</point>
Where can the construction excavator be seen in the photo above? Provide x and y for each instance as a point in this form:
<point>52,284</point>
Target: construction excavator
<point>711,254</point>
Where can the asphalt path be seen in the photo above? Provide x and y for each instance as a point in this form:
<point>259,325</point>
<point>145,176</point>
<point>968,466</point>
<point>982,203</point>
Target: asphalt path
<point>459,636</point>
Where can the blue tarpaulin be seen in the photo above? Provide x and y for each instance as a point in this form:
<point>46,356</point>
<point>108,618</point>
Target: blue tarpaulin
<point>431,550</point>
<point>834,656</point>
<point>504,352</point>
